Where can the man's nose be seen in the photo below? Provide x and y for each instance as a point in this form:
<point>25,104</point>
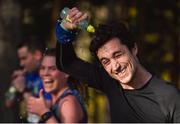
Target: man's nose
<point>115,65</point>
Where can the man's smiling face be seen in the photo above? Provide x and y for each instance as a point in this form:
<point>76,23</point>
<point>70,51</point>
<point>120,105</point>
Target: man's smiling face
<point>118,60</point>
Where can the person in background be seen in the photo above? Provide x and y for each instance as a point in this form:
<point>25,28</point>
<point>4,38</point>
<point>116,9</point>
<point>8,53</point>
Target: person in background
<point>67,104</point>
<point>26,80</point>
<point>134,94</point>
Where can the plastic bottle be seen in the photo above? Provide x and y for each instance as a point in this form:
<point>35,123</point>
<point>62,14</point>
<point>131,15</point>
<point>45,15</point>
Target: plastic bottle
<point>82,24</point>
<point>33,118</point>
<point>11,93</point>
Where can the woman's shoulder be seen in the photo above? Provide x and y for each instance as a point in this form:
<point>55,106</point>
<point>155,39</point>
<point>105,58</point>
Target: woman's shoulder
<point>70,108</point>
<point>69,100</point>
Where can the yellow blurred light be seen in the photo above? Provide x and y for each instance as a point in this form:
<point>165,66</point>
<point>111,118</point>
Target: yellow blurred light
<point>133,12</point>
<point>168,14</point>
<point>101,14</point>
<point>166,76</point>
<point>168,57</point>
<point>151,38</point>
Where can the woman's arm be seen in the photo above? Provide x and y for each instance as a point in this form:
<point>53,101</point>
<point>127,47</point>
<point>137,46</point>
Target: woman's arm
<point>70,110</point>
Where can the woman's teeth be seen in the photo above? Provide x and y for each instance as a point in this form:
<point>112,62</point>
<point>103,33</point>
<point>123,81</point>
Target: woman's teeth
<point>48,80</point>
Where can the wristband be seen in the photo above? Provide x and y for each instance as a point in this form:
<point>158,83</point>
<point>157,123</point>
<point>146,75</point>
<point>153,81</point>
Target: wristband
<point>46,116</point>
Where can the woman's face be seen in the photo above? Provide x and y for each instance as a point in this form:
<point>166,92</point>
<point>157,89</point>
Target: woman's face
<point>52,78</point>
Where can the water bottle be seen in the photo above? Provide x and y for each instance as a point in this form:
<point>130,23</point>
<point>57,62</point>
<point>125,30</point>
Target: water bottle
<point>82,24</point>
<point>33,118</point>
<point>11,93</point>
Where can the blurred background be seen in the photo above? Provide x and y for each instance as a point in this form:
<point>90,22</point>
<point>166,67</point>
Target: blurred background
<point>155,24</point>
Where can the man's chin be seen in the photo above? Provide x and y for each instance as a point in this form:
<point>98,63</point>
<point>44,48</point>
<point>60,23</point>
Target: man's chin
<point>124,80</point>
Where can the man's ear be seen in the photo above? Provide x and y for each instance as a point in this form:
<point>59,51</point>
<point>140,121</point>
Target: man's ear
<point>135,49</point>
<point>66,76</point>
<point>38,55</point>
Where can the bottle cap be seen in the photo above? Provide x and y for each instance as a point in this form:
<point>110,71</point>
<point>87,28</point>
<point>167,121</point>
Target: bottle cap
<point>90,29</point>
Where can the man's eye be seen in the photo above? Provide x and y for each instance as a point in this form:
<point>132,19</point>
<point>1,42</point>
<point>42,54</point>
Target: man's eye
<point>118,55</point>
<point>42,68</point>
<point>105,62</point>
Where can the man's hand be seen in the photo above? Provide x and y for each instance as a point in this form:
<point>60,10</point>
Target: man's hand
<point>74,17</point>
<point>18,80</point>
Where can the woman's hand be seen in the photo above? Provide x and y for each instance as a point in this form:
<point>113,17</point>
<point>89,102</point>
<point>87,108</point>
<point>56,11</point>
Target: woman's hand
<point>37,105</point>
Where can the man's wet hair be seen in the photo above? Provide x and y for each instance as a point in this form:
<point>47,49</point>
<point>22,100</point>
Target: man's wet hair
<point>106,32</point>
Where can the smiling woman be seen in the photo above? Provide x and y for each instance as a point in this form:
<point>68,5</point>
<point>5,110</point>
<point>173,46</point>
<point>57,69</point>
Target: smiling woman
<point>52,78</point>
<point>67,104</point>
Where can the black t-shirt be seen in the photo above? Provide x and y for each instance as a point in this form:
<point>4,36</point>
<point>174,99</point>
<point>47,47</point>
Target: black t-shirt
<point>155,102</point>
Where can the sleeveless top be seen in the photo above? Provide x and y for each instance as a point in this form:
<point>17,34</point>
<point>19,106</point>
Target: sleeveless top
<point>74,92</point>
